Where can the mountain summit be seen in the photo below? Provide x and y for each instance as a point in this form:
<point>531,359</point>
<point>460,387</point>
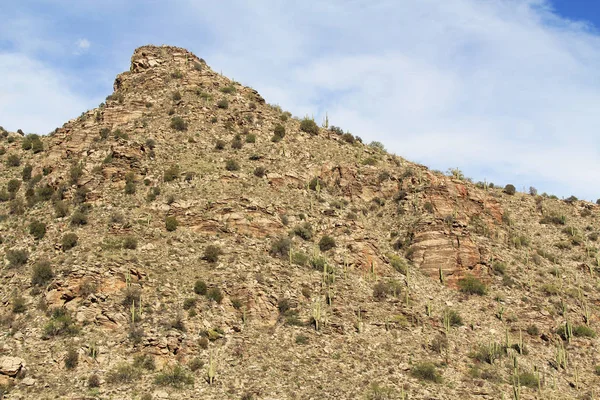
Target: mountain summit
<point>186,239</point>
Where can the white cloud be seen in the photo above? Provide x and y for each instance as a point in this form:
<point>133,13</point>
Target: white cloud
<point>83,44</point>
<point>33,97</point>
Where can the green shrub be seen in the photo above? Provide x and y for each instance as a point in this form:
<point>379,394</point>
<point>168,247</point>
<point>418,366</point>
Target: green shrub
<point>528,379</point>
<point>281,247</point>
<point>13,186</point>
<point>176,96</point>
<point>554,218</point>
<point>304,231</point>
<point>223,104</point>
<point>260,171</point>
<point>75,173</point>
<point>301,339</point>
<point>61,209</point>
<point>171,223</point>
<point>399,264</point>
<point>212,253</point>
<point>61,323</point>
<point>4,195</point>
<point>309,126</point>
<point>26,174</point>
<point>79,218</point>
<point>472,285</point>
<point>129,187</point>
<point>189,303</point>
<point>93,381</point>
<point>326,243</point>
<point>578,331</point>
<point>232,165</point>
<point>348,138</point>
<point>69,241</point>
<point>130,242</point>
<point>41,273</point>
<point>279,133</point>
<point>453,317</point>
<point>510,189</point>
<point>44,192</point>
<point>316,182</point>
<point>215,295</point>
<point>251,138</point>
<point>144,361</point>
<point>200,287</point>
<point>499,268</point>
<point>18,305</point>
<point>13,160</point>
<point>123,373</point>
<point>37,229</point>
<point>17,257</point>
<point>171,174</point>
<point>426,371</point>
<point>228,89</point>
<point>175,377</point>
<point>178,124</point>
<point>72,359</point>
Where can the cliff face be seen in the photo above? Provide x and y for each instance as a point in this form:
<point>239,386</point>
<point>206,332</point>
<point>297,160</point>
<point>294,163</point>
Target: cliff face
<point>187,239</point>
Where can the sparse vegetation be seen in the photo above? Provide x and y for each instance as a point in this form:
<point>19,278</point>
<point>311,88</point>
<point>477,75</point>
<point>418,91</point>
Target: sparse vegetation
<point>309,126</point>
<point>426,371</point>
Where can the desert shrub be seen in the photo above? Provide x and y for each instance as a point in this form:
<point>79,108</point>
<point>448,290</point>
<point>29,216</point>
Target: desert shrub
<point>189,303</point>
<point>533,330</point>
<point>175,377</point>
<point>13,160</point>
<point>278,133</point>
<point>578,331</point>
<point>281,247</point>
<point>304,231</point>
<point>309,126</point>
<point>380,290</point>
<point>260,171</point>
<point>80,195</point>
<point>499,268</point>
<point>510,189</point>
<point>301,339</point>
<point>453,317</point>
<point>75,173</point>
<point>44,192</point>
<point>200,287</point>
<point>232,165</point>
<point>178,124</point>
<point>223,104</point>
<point>215,294</point>
<point>71,359</point>
<point>251,138</point>
<point>326,243</point>
<point>212,253</point>
<point>472,285</point>
<point>37,229</point>
<point>348,138</point>
<point>13,186</point>
<point>26,174</point>
<point>399,264</point>
<point>129,187</point>
<point>171,173</point>
<point>195,364</point>
<point>219,144</point>
<point>377,145</point>
<point>426,371</point>
<point>93,381</point>
<point>130,242</point>
<point>16,207</point>
<point>299,258</point>
<point>41,273</point>
<point>61,323</point>
<point>4,195</point>
<point>528,379</point>
<point>176,96</point>
<point>171,223</point>
<point>79,218</point>
<point>17,257</point>
<point>554,218</point>
<point>69,241</point>
<point>227,89</point>
<point>18,305</point>
<point>123,373</point>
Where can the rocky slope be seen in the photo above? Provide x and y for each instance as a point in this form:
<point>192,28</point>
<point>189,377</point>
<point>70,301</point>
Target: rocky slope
<point>188,240</point>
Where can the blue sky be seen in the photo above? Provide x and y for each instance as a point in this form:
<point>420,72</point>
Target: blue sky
<point>505,90</point>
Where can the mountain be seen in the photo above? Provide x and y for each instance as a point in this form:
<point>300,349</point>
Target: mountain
<point>186,240</point>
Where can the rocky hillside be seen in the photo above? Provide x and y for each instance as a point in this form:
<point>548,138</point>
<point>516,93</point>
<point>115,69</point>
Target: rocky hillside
<point>188,240</point>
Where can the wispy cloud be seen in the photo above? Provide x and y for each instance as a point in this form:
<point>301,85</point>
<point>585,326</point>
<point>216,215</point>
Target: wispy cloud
<point>506,90</point>
<point>82,46</point>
